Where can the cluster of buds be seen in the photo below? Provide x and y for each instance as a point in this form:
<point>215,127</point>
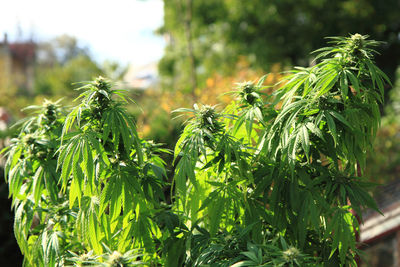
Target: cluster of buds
<point>50,112</point>
<point>102,97</point>
<point>357,42</point>
<point>207,118</point>
<point>291,254</point>
<point>36,146</point>
<point>248,94</point>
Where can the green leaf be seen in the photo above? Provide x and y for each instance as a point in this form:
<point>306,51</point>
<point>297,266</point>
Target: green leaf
<point>340,118</point>
<point>49,177</point>
<point>331,126</point>
<point>286,109</point>
<point>116,202</point>
<point>327,82</point>
<point>66,161</point>
<point>38,185</point>
<point>354,81</point>
<point>305,140</point>
<point>314,129</point>
<point>344,86</point>
<point>261,80</point>
<point>74,193</point>
<point>93,228</point>
<point>257,112</point>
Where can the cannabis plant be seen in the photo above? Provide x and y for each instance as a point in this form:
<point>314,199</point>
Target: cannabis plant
<point>275,180</point>
<point>83,181</point>
<point>271,180</point>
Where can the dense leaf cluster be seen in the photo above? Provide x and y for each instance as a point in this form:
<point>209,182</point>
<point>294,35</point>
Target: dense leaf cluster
<point>85,187</point>
<point>286,172</point>
<point>272,180</point>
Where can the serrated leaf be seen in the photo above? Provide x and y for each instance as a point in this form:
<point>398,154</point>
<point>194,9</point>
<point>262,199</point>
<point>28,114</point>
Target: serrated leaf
<point>340,118</point>
<point>344,86</point>
<point>354,81</point>
<point>74,193</point>
<point>331,126</point>
<point>38,185</point>
<point>261,80</point>
<point>305,140</point>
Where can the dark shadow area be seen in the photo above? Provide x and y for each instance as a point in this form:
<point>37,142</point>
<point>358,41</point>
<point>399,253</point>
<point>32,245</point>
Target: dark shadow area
<point>10,254</point>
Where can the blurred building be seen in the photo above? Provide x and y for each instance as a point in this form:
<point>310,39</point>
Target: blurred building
<point>380,235</point>
<point>17,61</point>
<point>142,77</point>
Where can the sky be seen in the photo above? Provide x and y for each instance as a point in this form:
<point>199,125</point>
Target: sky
<point>120,30</point>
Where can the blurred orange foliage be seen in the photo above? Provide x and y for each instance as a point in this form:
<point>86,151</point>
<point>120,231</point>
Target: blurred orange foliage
<point>215,92</point>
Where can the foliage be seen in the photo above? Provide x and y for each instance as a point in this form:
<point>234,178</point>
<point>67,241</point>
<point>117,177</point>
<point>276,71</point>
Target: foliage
<point>284,166</point>
<point>97,187</point>
<point>272,180</point>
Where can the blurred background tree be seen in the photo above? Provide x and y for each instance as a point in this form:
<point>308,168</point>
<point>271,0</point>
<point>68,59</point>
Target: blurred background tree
<point>383,165</point>
<point>60,63</point>
<point>267,32</point>
<point>33,71</point>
